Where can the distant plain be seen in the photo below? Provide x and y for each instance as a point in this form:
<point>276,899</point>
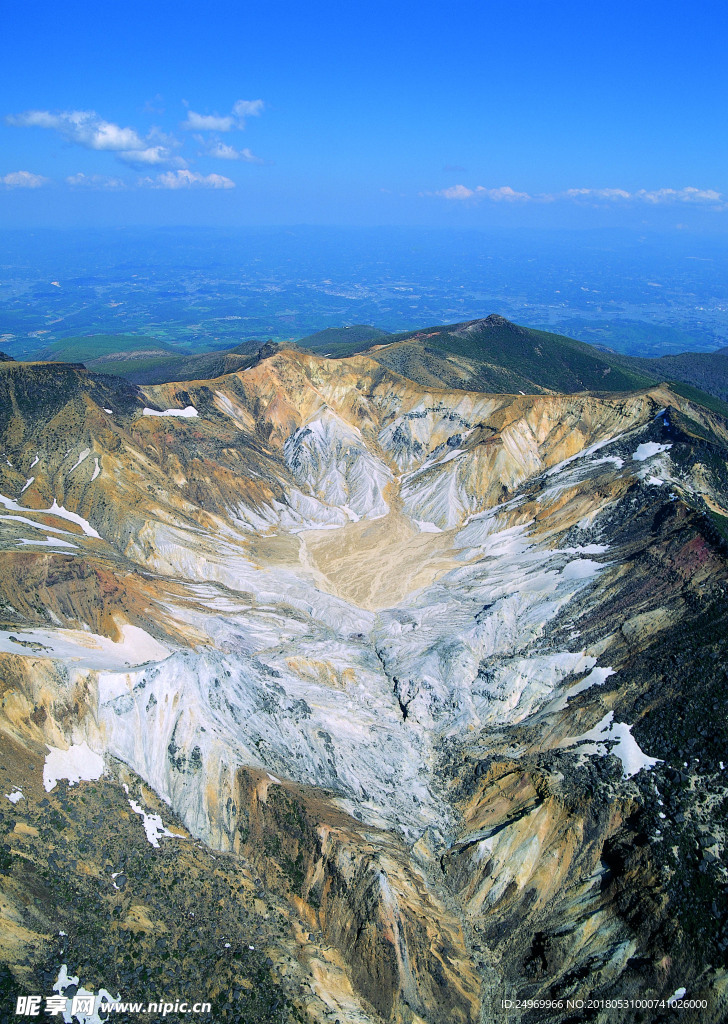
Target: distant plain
<point>196,290</point>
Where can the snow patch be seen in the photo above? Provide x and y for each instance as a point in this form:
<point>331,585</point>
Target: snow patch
<point>54,510</point>
<point>97,468</point>
<point>153,826</point>
<point>626,748</point>
<point>77,763</point>
<point>15,796</point>
<point>27,484</point>
<point>88,650</point>
<point>49,542</point>
<point>84,455</point>
<point>13,505</point>
<point>35,461</point>
<point>72,517</point>
<point>37,526</point>
<point>187,412</point>
<point>597,677</point>
<point>609,458</point>
<point>64,981</point>
<point>580,569</point>
<point>649,448</point>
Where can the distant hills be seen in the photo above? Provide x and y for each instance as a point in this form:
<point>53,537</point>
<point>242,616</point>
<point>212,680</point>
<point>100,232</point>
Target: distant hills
<point>343,341</point>
<point>144,360</point>
<point>705,370</point>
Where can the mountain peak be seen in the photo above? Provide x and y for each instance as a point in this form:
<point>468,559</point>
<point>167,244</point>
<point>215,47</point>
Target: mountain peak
<point>489,323</point>
<point>496,320</point>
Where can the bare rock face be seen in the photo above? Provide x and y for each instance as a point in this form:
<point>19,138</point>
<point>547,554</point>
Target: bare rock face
<point>422,665</point>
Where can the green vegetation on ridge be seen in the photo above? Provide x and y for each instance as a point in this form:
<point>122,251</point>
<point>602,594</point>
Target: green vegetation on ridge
<point>496,355</point>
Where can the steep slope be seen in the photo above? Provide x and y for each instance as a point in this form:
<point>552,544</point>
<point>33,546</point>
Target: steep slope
<point>408,659</point>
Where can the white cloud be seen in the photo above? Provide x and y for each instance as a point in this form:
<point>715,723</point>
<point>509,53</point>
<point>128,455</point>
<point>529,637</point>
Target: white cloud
<point>152,156</point>
<point>596,193</point>
<point>188,179</point>
<point>593,196</point>
<point>248,108</point>
<point>83,127</point>
<point>249,158</point>
<point>95,181</point>
<point>456,192</point>
<point>23,179</point>
<point>208,122</point>
<point>498,195</point>
<point>87,129</point>
<point>505,194</point>
<point>689,194</point>
<point>227,122</point>
<point>221,151</point>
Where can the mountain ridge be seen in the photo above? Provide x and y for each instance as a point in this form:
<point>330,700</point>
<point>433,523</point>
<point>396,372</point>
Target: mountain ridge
<point>489,354</point>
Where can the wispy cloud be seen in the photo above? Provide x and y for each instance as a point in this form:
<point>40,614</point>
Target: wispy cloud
<point>208,122</point>
<point>187,179</point>
<point>83,127</point>
<point>152,156</point>
<point>596,193</point>
<point>681,195</point>
<point>23,179</point>
<point>226,122</point>
<point>248,108</point>
<point>453,192</point>
<point>155,105</point>
<point>689,194</point>
<point>592,196</point>
<point>498,195</point>
<point>95,181</point>
<point>221,151</point>
<point>505,194</point>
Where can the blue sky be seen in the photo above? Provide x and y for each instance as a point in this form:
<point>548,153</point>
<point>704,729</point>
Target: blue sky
<point>519,113</point>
